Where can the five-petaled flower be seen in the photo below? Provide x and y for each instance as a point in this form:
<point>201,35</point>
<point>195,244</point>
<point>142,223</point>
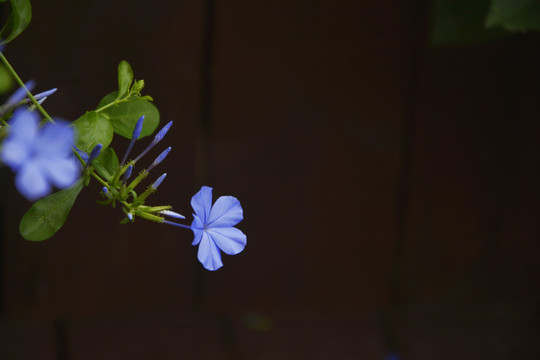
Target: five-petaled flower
<point>41,157</point>
<point>213,227</point>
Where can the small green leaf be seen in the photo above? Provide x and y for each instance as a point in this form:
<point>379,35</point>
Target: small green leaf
<point>125,78</point>
<point>48,215</point>
<point>137,87</point>
<point>106,163</point>
<point>124,115</point>
<point>91,129</point>
<point>19,18</point>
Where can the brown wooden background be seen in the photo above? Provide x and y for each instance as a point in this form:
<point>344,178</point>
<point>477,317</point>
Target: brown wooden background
<point>390,189</point>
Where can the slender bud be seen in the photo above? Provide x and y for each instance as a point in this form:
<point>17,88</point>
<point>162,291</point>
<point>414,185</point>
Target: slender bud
<point>152,188</point>
<point>136,133</point>
<point>130,216</point>
<point>161,134</point>
<point>172,214</point>
<point>158,181</point>
<point>42,95</point>
<point>42,100</point>
<point>159,159</point>
<point>157,139</point>
<point>94,154</point>
<point>127,174</point>
<point>138,128</point>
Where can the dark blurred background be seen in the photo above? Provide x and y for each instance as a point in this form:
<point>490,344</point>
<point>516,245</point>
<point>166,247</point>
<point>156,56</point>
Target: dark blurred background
<point>388,167</point>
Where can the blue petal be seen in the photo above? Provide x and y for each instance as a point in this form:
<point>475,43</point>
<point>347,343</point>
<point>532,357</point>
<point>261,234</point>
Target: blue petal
<point>230,240</point>
<point>55,139</point>
<point>62,172</point>
<point>15,153</point>
<point>201,202</point>
<point>20,141</point>
<point>197,227</point>
<point>226,212</point>
<point>197,236</point>
<point>209,254</point>
<point>197,222</point>
<point>30,181</point>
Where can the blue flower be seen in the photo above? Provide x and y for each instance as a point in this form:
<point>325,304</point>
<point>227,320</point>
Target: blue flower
<point>41,157</point>
<point>213,227</point>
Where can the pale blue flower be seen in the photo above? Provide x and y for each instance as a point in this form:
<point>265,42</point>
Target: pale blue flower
<point>41,157</point>
<point>213,227</point>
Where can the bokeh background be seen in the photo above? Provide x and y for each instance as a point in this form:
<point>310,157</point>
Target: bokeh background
<point>387,160</point>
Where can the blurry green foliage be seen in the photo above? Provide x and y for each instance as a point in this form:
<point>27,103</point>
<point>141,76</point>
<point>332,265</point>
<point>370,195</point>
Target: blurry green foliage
<point>6,80</point>
<point>18,20</point>
<point>514,15</point>
<point>462,22</point>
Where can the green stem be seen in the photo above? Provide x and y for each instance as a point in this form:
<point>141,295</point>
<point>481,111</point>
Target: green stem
<point>21,84</point>
<point>76,153</point>
<point>115,102</point>
<point>98,178</point>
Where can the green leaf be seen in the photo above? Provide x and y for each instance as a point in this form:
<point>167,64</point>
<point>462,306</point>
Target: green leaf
<point>48,215</point>
<point>125,78</point>
<point>515,15</point>
<point>18,20</point>
<point>106,163</point>
<point>124,115</point>
<point>91,129</point>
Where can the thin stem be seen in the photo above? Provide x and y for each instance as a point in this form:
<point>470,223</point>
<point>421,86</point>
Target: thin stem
<point>115,102</point>
<point>98,178</point>
<point>176,224</point>
<point>21,84</point>
<point>78,156</point>
<point>107,106</point>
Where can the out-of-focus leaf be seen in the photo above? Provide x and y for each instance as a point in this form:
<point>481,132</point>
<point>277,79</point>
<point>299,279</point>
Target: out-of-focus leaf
<point>514,15</point>
<point>6,80</point>
<point>18,20</point>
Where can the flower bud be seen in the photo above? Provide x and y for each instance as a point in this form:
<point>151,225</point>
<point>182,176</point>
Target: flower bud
<point>158,181</point>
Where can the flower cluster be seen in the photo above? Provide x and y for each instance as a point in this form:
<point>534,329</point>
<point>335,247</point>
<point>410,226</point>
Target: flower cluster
<point>46,153</point>
<point>213,226</point>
